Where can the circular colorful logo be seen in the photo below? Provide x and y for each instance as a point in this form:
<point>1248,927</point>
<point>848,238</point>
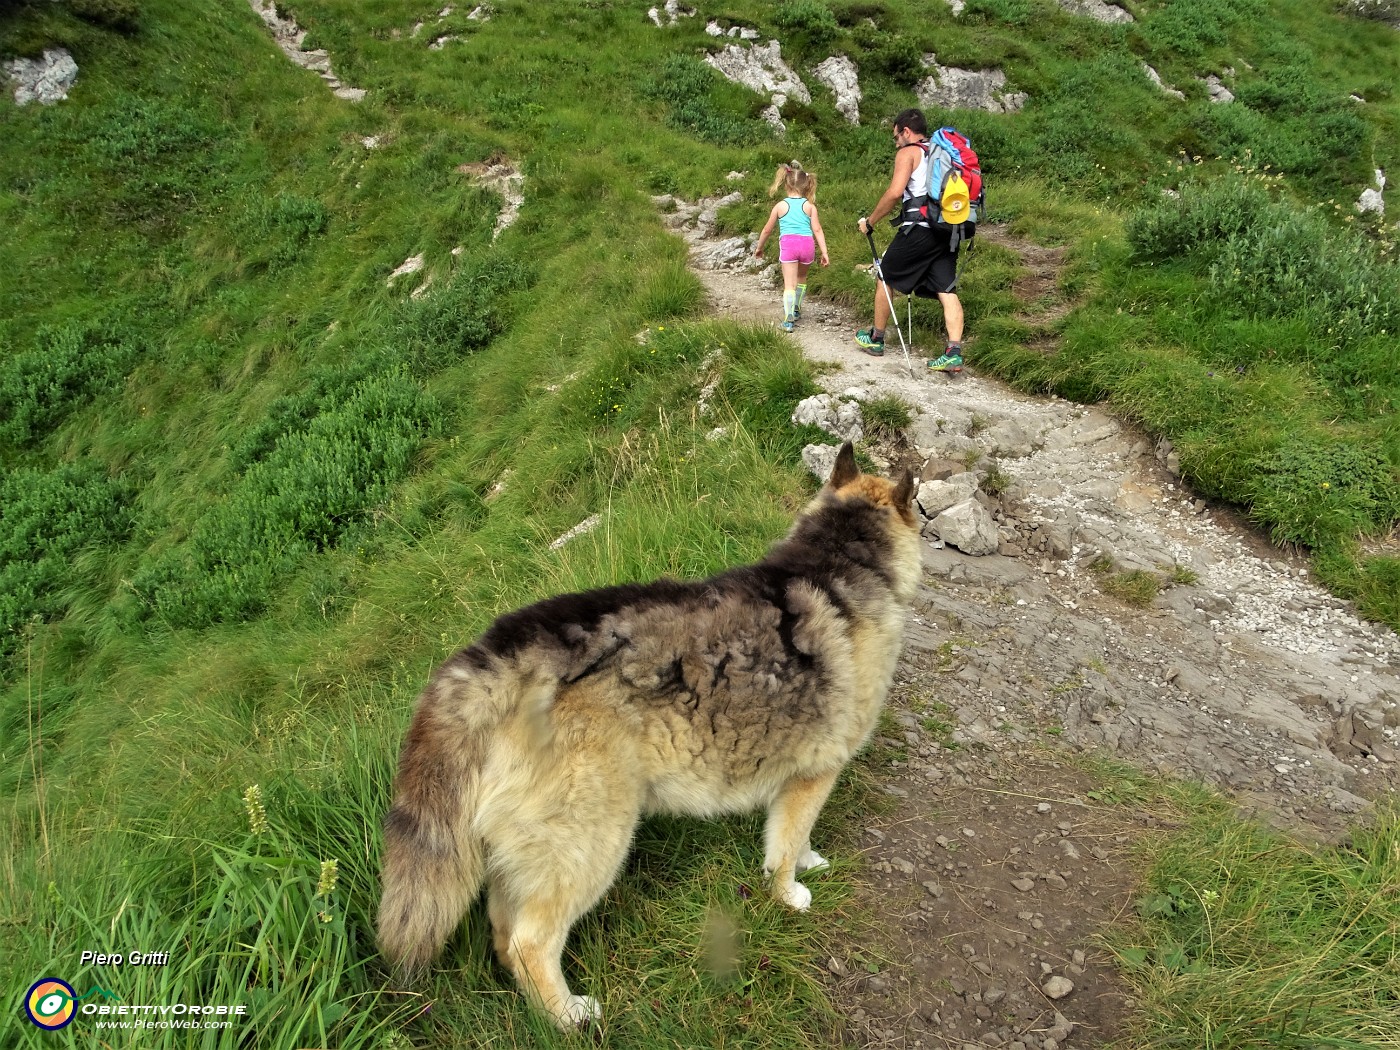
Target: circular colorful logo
<point>50,1003</point>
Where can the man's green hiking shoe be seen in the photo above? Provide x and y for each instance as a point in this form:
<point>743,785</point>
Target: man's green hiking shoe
<point>873,347</point>
<point>946,363</point>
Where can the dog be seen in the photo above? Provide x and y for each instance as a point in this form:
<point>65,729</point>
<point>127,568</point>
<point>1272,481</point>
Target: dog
<point>534,753</point>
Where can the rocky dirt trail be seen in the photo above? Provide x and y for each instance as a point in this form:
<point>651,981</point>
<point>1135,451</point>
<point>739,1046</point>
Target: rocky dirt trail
<point>997,869</point>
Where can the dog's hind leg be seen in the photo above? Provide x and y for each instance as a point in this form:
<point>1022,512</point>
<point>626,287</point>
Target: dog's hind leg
<point>546,874</point>
<point>555,899</point>
<point>787,838</point>
<point>500,912</point>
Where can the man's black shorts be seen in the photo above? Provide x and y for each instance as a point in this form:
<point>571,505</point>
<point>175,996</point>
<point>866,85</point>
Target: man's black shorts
<point>919,261</point>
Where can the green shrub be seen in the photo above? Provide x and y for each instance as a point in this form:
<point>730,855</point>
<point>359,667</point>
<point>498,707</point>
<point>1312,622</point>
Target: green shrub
<point>897,57</point>
<point>1319,491</point>
<point>461,316</point>
<point>281,227</point>
<point>1345,291</point>
<point>696,103</point>
<point>153,157</point>
<point>1189,27</point>
<point>1284,132</point>
<point>999,12</point>
<point>855,12</point>
<point>809,25</point>
<point>1274,259</point>
<point>46,517</point>
<point>1204,214</point>
<point>122,15</point>
<point>316,482</point>
<point>69,366</point>
<point>326,390</point>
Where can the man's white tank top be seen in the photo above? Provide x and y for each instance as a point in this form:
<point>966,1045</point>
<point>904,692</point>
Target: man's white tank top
<point>918,181</point>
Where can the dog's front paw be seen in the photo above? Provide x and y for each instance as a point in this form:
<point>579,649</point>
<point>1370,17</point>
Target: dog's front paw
<point>579,1009</point>
<point>795,896</point>
<point>812,861</point>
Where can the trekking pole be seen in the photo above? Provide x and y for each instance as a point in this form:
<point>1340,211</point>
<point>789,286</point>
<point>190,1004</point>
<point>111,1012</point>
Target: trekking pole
<point>894,314</point>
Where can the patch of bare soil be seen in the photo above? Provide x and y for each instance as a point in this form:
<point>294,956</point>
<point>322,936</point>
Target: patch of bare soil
<point>1041,303</point>
<point>990,886</point>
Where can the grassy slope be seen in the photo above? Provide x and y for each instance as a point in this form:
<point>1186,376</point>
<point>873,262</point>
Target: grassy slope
<point>201,225</point>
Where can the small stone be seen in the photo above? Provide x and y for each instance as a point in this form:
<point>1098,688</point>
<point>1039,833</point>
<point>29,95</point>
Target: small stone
<point>1057,987</point>
<point>1062,1028</point>
<point>1023,885</point>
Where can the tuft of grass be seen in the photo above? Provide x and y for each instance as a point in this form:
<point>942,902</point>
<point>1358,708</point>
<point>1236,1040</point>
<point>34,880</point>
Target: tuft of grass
<point>1182,576</point>
<point>995,481</point>
<point>1247,939</point>
<point>886,417</point>
<point>1137,587</point>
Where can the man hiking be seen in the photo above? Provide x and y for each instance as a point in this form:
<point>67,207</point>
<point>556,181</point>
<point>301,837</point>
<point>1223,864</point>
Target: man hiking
<point>923,258</point>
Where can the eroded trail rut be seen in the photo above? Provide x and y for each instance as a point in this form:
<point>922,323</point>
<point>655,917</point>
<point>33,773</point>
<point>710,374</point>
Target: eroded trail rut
<point>995,871</point>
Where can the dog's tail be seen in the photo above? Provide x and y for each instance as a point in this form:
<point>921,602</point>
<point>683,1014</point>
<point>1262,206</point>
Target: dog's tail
<point>434,860</point>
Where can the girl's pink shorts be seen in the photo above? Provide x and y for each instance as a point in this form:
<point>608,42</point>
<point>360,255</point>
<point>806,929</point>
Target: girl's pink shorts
<point>794,247</point>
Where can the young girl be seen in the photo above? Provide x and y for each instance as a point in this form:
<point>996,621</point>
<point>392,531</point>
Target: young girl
<point>800,234</point>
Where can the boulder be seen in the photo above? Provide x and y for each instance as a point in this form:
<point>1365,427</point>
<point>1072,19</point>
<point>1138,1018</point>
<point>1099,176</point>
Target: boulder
<point>839,74</point>
<point>969,527</point>
<point>951,88</point>
<point>841,418</point>
<point>1097,10</point>
<point>934,497</point>
<point>760,68</point>
<point>43,80</point>
<point>820,460</point>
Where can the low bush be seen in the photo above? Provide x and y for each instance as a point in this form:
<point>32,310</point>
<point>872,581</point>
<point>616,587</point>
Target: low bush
<point>121,15</point>
<point>46,517</point>
<point>692,92</point>
<point>1189,27</point>
<point>1321,490</point>
<point>461,316</point>
<point>808,25</point>
<point>316,482</point>
<point>1268,257</point>
<point>151,159</point>
<point>69,366</point>
<point>278,229</point>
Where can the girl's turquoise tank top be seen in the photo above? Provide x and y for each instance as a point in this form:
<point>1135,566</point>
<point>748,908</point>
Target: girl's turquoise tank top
<point>796,220</point>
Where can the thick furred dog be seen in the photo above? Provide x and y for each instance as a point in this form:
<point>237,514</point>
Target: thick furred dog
<point>534,753</point>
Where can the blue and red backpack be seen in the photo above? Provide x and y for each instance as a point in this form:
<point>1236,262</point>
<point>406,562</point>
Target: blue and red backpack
<point>956,197</point>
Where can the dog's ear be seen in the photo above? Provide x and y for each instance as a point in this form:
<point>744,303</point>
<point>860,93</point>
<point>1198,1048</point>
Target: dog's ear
<point>845,471</point>
<point>904,491</point>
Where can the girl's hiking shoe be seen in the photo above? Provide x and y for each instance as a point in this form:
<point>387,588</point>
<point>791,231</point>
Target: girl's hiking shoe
<point>950,362</point>
<point>787,325</point>
<point>873,347</point>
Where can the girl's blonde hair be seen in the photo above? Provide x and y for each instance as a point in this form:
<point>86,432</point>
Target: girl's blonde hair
<point>795,180</point>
